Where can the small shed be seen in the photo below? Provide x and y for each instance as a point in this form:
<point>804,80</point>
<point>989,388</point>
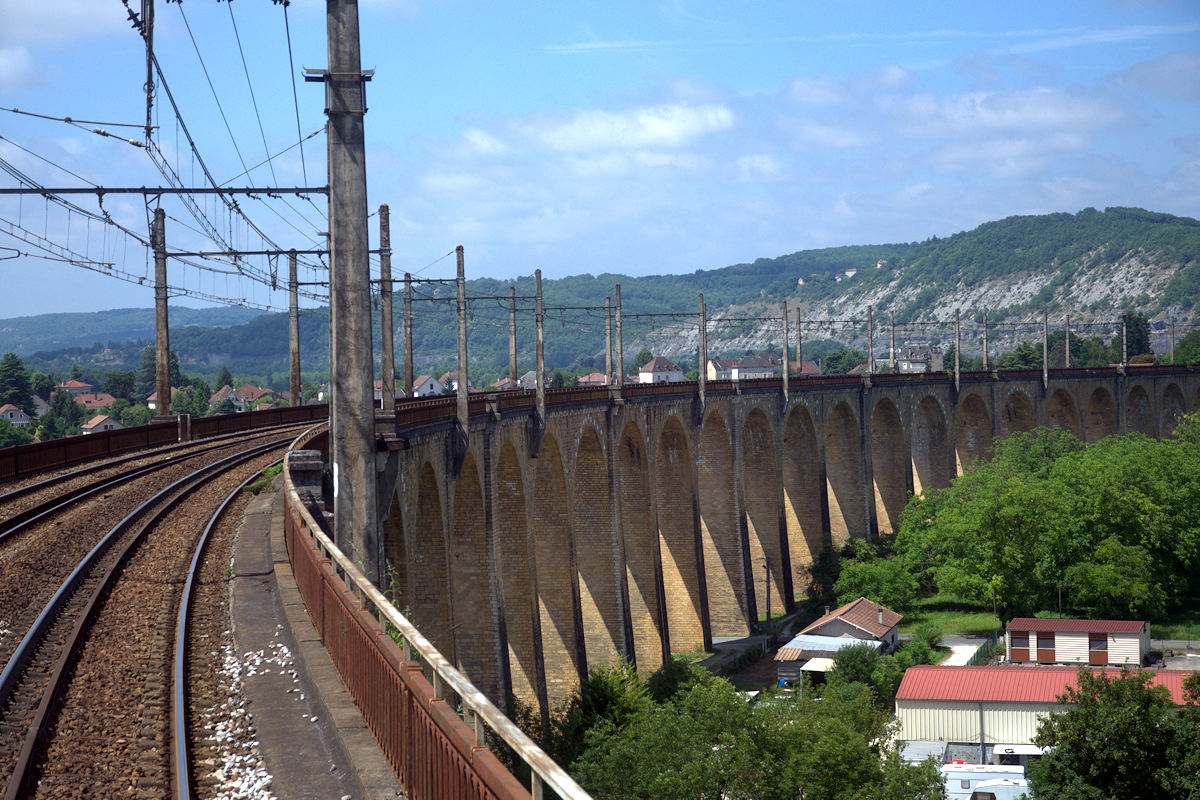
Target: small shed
<point>809,653</point>
<point>1099,642</point>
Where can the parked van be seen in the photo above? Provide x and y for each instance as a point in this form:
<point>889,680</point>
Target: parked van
<point>1001,789</point>
<point>961,779</point>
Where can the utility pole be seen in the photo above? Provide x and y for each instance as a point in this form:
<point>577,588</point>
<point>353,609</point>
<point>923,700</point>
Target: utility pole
<point>620,342</point>
<point>985,359</point>
<point>148,35</point>
<point>352,410</point>
<point>512,337</point>
<point>1067,343</point>
<point>608,359</point>
<point>892,342</point>
<point>387,372</point>
<point>540,395</point>
<point>799,342</point>
<point>703,354</point>
<point>293,329</point>
<point>870,342</point>
<point>1172,341</point>
<point>957,349</point>
<point>464,407</point>
<point>162,341</point>
<point>408,345</point>
<point>1045,349</point>
<point>1124,347</point>
<point>786,376</point>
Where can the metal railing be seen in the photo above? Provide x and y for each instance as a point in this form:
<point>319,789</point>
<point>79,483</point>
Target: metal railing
<point>434,730</point>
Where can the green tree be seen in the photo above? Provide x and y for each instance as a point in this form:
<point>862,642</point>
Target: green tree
<point>1113,742</point>
<point>642,359</point>
<point>190,400</point>
<point>886,581</point>
<point>1026,355</point>
<point>855,664</point>
<point>1137,334</point>
<point>223,406</point>
<point>119,383</point>
<point>42,384</point>
<point>842,361</point>
<point>136,415</point>
<point>1187,349</point>
<point>15,386</point>
<point>146,383</point>
<point>12,435</point>
<point>224,377</point>
<point>63,419</point>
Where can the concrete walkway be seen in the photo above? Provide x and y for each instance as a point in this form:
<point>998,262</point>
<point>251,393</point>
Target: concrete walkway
<point>962,649</point>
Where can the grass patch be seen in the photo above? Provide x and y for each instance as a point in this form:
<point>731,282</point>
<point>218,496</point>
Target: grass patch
<point>1182,624</point>
<point>953,616</point>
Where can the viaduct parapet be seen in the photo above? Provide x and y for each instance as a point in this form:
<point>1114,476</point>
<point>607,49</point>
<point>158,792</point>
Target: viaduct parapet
<point>638,523</point>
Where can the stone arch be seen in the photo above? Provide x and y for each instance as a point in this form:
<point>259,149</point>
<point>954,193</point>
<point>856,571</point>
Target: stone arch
<point>1061,412</point>
<point>555,572</point>
<point>930,444</point>
<point>761,490</point>
<point>677,541</point>
<point>474,638</point>
<point>719,532</point>
<point>1173,407</point>
<point>637,533</point>
<point>973,434</point>
<point>595,556</point>
<point>514,569</point>
<point>1138,416</point>
<point>1018,414</point>
<point>429,572</point>
<point>1101,416</point>
<point>844,476</point>
<point>802,494</point>
<point>889,465</point>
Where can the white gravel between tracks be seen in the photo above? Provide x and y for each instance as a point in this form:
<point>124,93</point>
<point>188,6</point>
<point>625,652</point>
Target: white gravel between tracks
<point>240,773</point>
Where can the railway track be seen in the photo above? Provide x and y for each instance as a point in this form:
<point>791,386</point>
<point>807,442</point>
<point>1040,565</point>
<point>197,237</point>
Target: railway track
<point>88,693</point>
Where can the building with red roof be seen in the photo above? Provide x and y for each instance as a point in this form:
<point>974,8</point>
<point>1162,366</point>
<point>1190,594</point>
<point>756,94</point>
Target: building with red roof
<point>859,619</point>
<point>1098,642</point>
<point>992,705</point>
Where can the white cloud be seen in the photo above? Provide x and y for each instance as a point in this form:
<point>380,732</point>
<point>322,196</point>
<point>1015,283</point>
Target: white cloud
<point>821,135</point>
<point>981,113</point>
<point>1006,158</point>
<point>60,21</point>
<point>16,68</point>
<point>1176,76</point>
<point>670,126</point>
<point>484,143</point>
<point>759,167</point>
<point>814,92</point>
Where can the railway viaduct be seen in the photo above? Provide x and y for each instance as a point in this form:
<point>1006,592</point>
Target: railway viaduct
<point>638,522</point>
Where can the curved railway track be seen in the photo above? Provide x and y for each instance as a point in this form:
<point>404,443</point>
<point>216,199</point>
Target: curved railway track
<point>87,693</point>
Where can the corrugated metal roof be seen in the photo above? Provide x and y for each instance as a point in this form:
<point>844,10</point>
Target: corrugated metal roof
<point>805,645</point>
<point>1010,684</point>
<point>1077,625</point>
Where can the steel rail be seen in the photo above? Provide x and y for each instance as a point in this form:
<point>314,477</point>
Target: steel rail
<point>181,762</point>
<point>170,498</point>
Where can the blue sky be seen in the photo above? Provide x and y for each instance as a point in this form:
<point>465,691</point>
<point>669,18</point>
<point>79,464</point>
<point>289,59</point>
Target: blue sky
<point>623,137</point>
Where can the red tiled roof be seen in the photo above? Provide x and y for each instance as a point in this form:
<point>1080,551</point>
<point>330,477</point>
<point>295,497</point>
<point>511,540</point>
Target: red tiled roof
<point>1011,684</point>
<point>73,384</point>
<point>861,613</point>
<point>659,364</point>
<point>1077,625</point>
<point>95,399</point>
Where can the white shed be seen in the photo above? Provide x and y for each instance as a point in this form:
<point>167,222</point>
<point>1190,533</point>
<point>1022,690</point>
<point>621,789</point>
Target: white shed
<point>1098,642</point>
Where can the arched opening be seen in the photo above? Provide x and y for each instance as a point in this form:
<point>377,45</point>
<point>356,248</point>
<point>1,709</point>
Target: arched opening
<point>930,447</point>
<point>802,495</point>
<point>761,488</point>
<point>889,465</point>
<point>1101,416</point>
<point>1173,407</point>
<point>1018,414</point>
<point>595,554</point>
<point>677,540</point>
<point>395,568</point>
<point>514,571</point>
<point>471,580</point>
<point>844,477</point>
<point>973,437</point>
<point>1061,412</point>
<point>719,535</point>
<point>1138,417</point>
<point>637,531</point>
<point>556,589</point>
<point>429,571</point>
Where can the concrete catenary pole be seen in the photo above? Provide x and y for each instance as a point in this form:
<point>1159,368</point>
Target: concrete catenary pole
<point>870,341</point>
<point>800,342</point>
<point>620,340</point>
<point>957,348</point>
<point>408,336</point>
<point>512,337</point>
<point>387,328</point>
<point>985,354</point>
<point>608,359</point>
<point>1124,346</point>
<point>786,375</point>
<point>352,410</point>
<point>1067,344</point>
<point>162,340</point>
<point>1172,341</point>
<point>540,366</point>
<point>702,355</point>
<point>293,329</point>
<point>463,401</point>
<point>892,342</point>
<point>1045,349</point>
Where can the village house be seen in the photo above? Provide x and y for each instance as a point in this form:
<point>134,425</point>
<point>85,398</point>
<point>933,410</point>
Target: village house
<point>15,416</point>
<point>95,400</point>
<point>721,369</point>
<point>102,422</point>
<point>860,619</point>
<point>813,654</point>
<point>152,400</point>
<point>76,388</point>
<point>594,379</point>
<point>505,384</point>
<point>756,367</point>
<point>660,370</point>
<point>450,381</point>
<point>1099,642</point>
<point>427,386</point>
<point>528,380</point>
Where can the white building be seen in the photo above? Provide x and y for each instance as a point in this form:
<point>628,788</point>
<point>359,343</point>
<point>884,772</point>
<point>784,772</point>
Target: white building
<point>427,386</point>
<point>1098,642</point>
<point>660,370</point>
